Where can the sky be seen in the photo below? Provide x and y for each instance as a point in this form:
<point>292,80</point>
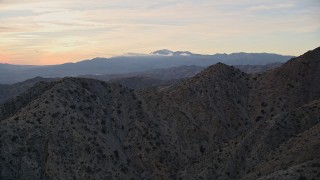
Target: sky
<point>43,32</point>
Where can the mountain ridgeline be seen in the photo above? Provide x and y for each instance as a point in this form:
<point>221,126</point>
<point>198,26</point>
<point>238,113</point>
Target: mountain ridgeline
<point>221,123</point>
<point>129,64</point>
<point>138,80</point>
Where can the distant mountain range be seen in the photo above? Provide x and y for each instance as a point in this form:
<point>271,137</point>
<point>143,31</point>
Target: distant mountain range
<point>128,64</point>
<point>166,52</point>
<point>221,123</point>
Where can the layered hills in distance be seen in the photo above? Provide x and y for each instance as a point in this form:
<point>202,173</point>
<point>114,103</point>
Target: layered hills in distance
<point>137,80</point>
<point>213,123</point>
<point>10,74</point>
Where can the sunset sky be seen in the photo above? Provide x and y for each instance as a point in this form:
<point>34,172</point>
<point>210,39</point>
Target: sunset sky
<point>58,31</point>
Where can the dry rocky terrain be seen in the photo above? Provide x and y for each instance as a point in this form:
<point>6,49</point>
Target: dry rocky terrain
<point>220,124</point>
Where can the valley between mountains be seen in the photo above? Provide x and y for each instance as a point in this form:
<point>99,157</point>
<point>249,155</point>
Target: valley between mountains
<point>221,123</point>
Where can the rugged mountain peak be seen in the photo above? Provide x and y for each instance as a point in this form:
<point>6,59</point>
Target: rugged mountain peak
<point>220,66</point>
<point>220,69</point>
<point>217,76</point>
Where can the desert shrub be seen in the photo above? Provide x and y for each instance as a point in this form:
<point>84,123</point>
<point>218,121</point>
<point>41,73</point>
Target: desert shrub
<point>258,118</point>
<point>202,149</point>
<point>116,154</point>
<point>302,178</point>
<point>104,131</point>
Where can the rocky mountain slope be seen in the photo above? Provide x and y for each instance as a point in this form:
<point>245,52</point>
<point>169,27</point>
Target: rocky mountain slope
<point>220,124</point>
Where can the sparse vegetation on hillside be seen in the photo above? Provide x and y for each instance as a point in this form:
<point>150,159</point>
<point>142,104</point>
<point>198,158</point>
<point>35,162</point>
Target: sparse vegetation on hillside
<point>220,124</point>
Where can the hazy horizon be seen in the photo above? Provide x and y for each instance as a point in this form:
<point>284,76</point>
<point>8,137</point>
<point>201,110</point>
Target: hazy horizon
<point>131,54</point>
<point>55,32</point>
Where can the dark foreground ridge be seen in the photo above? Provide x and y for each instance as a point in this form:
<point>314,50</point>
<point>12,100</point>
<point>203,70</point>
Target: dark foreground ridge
<point>220,124</point>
